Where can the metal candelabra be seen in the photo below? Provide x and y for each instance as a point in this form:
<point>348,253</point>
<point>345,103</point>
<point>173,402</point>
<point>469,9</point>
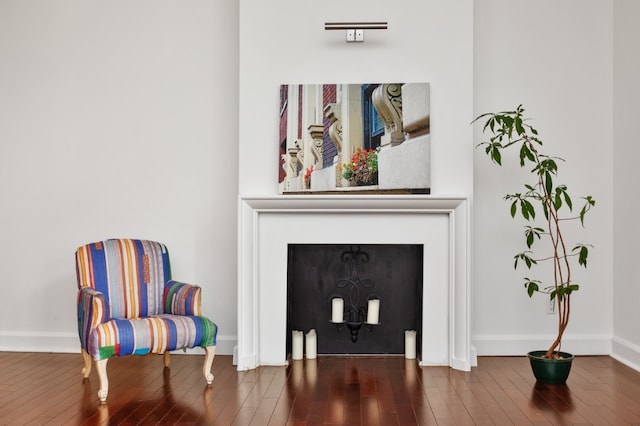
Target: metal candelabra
<point>353,314</point>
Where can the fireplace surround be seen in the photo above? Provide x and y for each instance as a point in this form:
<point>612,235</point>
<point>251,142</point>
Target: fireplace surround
<point>267,225</point>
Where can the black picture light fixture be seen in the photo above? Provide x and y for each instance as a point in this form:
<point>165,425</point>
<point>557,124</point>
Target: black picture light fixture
<point>355,30</point>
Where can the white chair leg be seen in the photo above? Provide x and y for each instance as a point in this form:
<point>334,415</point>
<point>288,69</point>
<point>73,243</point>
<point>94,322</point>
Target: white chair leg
<point>87,364</point>
<point>101,366</point>
<point>166,357</point>
<point>208,361</point>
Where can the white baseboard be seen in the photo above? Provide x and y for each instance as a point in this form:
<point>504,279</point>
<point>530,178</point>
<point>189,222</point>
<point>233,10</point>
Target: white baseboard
<point>484,345</point>
<point>626,352</point>
<point>509,345</point>
<point>246,362</point>
<point>474,356</point>
<point>24,341</point>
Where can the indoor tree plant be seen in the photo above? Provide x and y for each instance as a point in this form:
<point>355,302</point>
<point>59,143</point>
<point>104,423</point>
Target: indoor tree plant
<point>542,204</point>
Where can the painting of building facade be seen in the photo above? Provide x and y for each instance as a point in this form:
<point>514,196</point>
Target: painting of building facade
<point>354,137</point>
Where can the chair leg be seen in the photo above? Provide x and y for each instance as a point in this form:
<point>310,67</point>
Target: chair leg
<point>101,366</point>
<point>166,357</point>
<point>208,361</point>
<point>87,364</point>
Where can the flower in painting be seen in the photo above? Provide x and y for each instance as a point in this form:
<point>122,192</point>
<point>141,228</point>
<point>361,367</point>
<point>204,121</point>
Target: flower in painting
<point>307,177</point>
<point>363,162</point>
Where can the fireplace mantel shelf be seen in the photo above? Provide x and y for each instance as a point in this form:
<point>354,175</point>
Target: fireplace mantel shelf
<point>354,202</point>
<point>267,224</point>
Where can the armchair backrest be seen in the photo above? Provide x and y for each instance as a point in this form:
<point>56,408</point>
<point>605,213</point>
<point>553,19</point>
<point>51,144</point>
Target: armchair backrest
<point>131,275</point>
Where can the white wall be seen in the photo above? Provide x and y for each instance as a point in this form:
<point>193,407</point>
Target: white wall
<point>283,42</point>
<point>556,59</point>
<point>95,95</point>
<point>117,119</point>
<point>626,92</point>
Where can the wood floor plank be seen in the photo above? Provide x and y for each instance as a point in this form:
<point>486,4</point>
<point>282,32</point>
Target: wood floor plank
<point>498,394</point>
<point>43,389</point>
<point>493,409</point>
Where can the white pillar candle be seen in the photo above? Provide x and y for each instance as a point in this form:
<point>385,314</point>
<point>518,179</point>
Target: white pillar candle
<point>311,343</point>
<point>410,344</point>
<point>337,309</point>
<point>296,344</point>
<point>373,311</point>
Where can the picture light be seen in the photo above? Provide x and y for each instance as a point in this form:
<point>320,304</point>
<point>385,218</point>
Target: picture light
<point>355,30</point>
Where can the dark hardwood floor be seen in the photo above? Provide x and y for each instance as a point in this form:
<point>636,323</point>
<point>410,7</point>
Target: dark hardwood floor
<point>43,389</point>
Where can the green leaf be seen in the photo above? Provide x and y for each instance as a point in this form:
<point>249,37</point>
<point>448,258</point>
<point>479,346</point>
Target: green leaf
<point>531,285</point>
<point>548,182</point>
<point>571,288</point>
<point>567,200</point>
<point>526,258</point>
<point>519,126</point>
<point>557,201</point>
<point>487,123</point>
<point>524,210</point>
<point>531,234</point>
<point>528,211</point>
<point>582,213</point>
<point>583,253</point>
<point>514,208</point>
<point>590,202</point>
<point>507,123</point>
<point>493,150</point>
<point>523,154</point>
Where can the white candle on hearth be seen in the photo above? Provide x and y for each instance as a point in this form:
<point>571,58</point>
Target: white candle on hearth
<point>337,309</point>
<point>311,343</point>
<point>373,311</point>
<point>296,344</point>
<point>410,344</point>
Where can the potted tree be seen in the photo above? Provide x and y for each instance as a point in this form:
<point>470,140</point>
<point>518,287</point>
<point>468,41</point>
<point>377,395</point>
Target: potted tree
<point>543,204</point>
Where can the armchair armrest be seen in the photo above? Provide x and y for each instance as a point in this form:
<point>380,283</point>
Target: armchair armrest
<point>181,298</point>
<point>92,311</point>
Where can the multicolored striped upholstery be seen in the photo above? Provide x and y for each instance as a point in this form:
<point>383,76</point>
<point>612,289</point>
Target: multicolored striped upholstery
<point>128,304</point>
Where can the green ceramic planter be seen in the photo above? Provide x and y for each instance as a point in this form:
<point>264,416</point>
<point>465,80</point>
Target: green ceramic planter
<point>550,371</point>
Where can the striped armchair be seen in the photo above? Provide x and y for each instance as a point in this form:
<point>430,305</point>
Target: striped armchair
<point>129,305</point>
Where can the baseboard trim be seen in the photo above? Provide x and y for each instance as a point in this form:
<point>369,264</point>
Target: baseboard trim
<point>513,345</point>
<point>626,352</point>
<point>484,345</point>
<point>24,341</point>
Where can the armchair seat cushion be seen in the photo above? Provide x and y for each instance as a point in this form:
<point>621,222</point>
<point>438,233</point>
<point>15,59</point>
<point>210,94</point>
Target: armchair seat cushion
<point>152,334</point>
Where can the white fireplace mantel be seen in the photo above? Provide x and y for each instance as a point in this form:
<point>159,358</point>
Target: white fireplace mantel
<point>268,224</point>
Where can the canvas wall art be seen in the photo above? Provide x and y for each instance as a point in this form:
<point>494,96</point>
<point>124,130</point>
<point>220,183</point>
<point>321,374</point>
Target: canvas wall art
<point>354,138</point>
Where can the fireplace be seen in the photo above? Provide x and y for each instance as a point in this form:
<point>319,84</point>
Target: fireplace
<point>268,225</point>
<point>378,289</point>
